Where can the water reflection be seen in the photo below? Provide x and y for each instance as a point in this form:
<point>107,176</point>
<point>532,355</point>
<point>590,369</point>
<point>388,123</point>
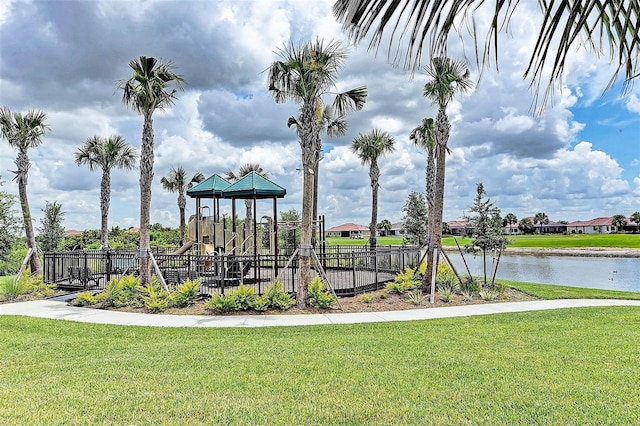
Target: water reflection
<point>611,273</point>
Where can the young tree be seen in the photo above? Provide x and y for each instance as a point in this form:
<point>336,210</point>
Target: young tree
<point>369,148</point>
<point>106,154</point>
<point>9,224</point>
<point>304,75</point>
<point>52,231</point>
<point>414,222</point>
<point>447,78</point>
<point>289,237</point>
<point>635,218</point>
<point>597,25</point>
<point>619,221</point>
<point>487,226</point>
<point>176,181</point>
<point>24,132</point>
<point>244,170</point>
<point>148,90</point>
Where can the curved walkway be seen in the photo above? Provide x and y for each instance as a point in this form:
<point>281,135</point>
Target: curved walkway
<point>59,309</point>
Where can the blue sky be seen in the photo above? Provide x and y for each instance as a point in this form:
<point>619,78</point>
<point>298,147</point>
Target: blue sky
<point>578,160</point>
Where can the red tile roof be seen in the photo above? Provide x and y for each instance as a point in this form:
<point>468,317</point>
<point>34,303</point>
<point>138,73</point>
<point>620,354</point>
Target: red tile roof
<point>599,221</point>
<point>348,227</point>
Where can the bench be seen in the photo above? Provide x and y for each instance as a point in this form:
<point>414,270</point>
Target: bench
<point>83,276</point>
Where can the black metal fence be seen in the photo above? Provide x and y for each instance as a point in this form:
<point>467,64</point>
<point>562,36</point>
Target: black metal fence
<point>349,270</point>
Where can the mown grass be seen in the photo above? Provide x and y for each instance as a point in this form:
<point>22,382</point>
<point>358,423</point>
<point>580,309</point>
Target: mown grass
<point>382,241</point>
<point>549,292</point>
<point>575,366</point>
<point>563,241</point>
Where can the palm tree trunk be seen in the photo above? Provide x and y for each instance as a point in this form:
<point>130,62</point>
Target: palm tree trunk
<point>182,205</point>
<point>22,162</point>
<point>146,178</point>
<point>248,206</point>
<point>105,196</point>
<point>442,127</point>
<point>374,174</point>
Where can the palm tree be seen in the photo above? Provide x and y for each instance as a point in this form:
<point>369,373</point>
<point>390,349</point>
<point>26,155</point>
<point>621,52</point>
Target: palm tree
<point>424,138</point>
<point>542,219</point>
<point>106,154</point>
<point>448,77</point>
<point>244,170</point>
<point>24,132</point>
<point>304,75</point>
<point>565,26</point>
<point>384,227</point>
<point>145,92</point>
<point>619,222</point>
<point>369,148</point>
<point>509,220</point>
<point>635,218</point>
<point>176,181</point>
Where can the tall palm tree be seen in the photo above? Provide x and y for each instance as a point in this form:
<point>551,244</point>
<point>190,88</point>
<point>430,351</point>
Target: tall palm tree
<point>424,138</point>
<point>148,90</point>
<point>105,154</point>
<point>369,147</point>
<point>244,170</point>
<point>24,132</point>
<point>564,26</point>
<point>542,219</point>
<point>447,78</point>
<point>176,181</point>
<point>304,75</point>
<point>635,218</point>
<point>510,219</point>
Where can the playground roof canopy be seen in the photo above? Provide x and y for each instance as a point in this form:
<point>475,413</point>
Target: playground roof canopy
<point>209,188</point>
<point>253,185</point>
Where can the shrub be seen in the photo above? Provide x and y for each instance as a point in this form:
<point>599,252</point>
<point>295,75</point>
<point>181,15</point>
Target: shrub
<point>156,299</point>
<point>186,294</point>
<point>488,294</point>
<point>220,303</point>
<point>383,295</point>
<point>10,288</point>
<point>366,298</point>
<point>445,278</point>
<point>85,299</point>
<point>123,292</point>
<point>446,295</point>
<point>260,304</point>
<point>319,296</point>
<point>404,281</point>
<point>467,296</point>
<point>415,297</point>
<point>243,296</point>
<point>277,297</point>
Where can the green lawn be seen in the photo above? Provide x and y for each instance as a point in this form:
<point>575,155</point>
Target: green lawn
<point>576,366</point>
<point>564,241</point>
<point>382,241</point>
<point>548,291</point>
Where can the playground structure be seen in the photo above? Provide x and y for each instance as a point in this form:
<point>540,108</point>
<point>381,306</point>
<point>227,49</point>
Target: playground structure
<point>223,252</point>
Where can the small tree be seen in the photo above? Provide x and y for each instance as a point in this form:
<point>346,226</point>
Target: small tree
<point>526,226</point>
<point>289,237</point>
<point>487,227</point>
<point>384,227</point>
<point>9,224</point>
<point>414,222</point>
<point>619,221</point>
<point>52,231</point>
<point>541,219</point>
<point>509,220</point>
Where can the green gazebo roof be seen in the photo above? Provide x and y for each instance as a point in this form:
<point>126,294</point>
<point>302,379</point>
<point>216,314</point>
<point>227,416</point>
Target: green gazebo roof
<point>209,188</point>
<point>253,185</point>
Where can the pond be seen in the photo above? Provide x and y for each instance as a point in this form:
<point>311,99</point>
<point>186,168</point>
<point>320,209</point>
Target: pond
<point>610,273</point>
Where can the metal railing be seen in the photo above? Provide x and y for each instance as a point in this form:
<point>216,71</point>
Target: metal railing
<point>350,270</point>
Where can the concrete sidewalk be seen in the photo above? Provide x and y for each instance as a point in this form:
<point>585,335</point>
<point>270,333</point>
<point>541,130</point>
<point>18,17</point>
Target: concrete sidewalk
<point>59,309</point>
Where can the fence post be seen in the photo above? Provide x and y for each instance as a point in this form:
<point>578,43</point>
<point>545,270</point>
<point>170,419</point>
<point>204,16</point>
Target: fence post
<point>109,265</point>
<point>353,263</point>
<point>375,267</point>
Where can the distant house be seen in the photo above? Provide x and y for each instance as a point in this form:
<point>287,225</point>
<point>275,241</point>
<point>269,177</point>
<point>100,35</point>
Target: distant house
<point>599,225</point>
<point>460,227</point>
<point>72,233</point>
<point>550,228</point>
<point>397,228</point>
<point>348,230</point>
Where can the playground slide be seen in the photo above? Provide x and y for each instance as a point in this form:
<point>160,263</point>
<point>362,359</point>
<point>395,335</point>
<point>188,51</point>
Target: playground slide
<point>184,248</point>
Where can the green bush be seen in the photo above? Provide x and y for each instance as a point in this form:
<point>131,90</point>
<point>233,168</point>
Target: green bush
<point>260,304</point>
<point>405,281</point>
<point>85,299</point>
<point>319,296</point>
<point>186,294</point>
<point>220,303</point>
<point>243,296</point>
<point>123,292</point>
<point>276,297</point>
<point>445,278</point>
<point>10,288</point>
<point>156,299</point>
<point>415,297</point>
<point>366,298</point>
<point>383,295</point>
<point>446,295</point>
